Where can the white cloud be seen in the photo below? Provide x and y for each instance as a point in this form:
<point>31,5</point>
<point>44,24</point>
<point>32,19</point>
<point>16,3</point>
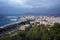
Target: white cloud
<point>16,2</point>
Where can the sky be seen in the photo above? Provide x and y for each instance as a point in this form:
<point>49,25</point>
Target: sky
<point>30,7</point>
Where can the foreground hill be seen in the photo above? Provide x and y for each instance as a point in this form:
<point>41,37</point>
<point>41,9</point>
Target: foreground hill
<point>40,32</point>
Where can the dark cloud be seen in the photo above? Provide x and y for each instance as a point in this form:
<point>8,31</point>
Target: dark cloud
<point>37,7</point>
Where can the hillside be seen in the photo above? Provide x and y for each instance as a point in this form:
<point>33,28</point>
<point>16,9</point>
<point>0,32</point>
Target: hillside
<point>40,32</point>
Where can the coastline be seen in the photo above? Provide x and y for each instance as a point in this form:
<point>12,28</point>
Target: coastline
<point>9,24</point>
<point>12,23</point>
<point>29,21</point>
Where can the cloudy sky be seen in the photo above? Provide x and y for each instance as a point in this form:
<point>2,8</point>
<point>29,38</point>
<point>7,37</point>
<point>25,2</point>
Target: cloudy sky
<point>33,7</point>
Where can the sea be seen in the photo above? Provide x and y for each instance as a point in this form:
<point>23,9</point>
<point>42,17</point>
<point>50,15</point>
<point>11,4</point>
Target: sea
<point>5,21</point>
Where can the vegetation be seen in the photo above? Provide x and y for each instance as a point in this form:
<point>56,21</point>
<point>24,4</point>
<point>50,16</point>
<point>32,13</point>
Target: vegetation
<point>40,32</point>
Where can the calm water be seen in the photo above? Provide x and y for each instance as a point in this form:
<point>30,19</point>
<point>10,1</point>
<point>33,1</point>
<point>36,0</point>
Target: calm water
<point>4,22</point>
